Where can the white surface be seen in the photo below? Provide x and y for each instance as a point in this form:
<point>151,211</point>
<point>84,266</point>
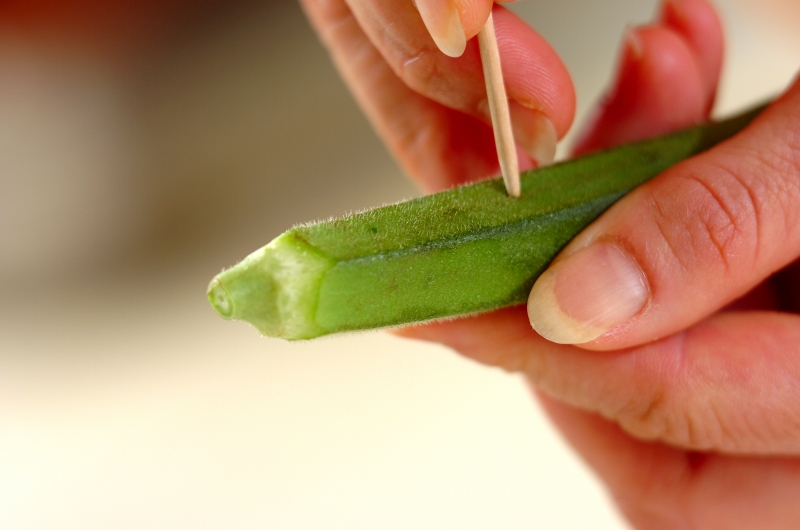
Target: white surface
<point>126,403</point>
<point>206,425</point>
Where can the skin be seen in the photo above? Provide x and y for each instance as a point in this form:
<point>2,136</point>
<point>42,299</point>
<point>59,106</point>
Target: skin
<point>426,106</point>
<point>688,412</point>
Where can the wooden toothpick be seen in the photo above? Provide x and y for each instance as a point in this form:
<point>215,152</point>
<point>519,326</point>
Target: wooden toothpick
<point>498,107</point>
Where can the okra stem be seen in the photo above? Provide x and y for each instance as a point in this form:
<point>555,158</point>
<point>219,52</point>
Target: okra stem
<point>466,250</point>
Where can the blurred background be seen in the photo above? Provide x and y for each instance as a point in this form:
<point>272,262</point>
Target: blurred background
<point>144,146</point>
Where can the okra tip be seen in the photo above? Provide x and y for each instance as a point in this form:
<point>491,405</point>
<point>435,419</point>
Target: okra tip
<point>274,289</point>
<point>247,292</point>
<point>220,299</point>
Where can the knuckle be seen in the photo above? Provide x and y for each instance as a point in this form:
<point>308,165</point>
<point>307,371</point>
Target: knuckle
<point>416,61</point>
<point>710,218</point>
<point>419,68</point>
<point>778,173</point>
<point>688,420</point>
<point>414,65</point>
<point>666,410</point>
<point>662,419</point>
<point>426,71</point>
<point>650,418</point>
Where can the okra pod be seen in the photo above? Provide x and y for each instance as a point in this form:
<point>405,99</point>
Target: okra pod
<point>466,250</point>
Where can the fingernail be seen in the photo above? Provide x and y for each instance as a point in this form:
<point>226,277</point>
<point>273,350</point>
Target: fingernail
<point>444,24</point>
<point>583,296</point>
<point>534,133</point>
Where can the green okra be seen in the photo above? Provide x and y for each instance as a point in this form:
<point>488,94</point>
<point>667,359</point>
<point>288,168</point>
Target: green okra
<point>465,250</point>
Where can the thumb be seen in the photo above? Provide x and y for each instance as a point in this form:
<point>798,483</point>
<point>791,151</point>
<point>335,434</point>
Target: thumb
<point>682,246</point>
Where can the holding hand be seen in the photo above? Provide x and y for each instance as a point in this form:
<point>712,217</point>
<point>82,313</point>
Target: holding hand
<point>677,375</point>
<point>431,109</point>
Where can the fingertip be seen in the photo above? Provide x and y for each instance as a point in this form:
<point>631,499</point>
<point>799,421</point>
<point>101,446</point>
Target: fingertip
<point>657,89</point>
<point>666,79</point>
<point>534,133</point>
<point>664,66</point>
<point>534,74</point>
<point>700,26</point>
<point>474,14</point>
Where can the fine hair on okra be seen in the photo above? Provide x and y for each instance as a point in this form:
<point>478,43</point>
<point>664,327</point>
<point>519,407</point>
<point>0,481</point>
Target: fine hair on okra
<point>466,250</point>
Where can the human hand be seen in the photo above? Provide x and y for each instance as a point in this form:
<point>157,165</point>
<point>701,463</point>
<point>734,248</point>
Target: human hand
<point>682,392</point>
<point>431,109</point>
